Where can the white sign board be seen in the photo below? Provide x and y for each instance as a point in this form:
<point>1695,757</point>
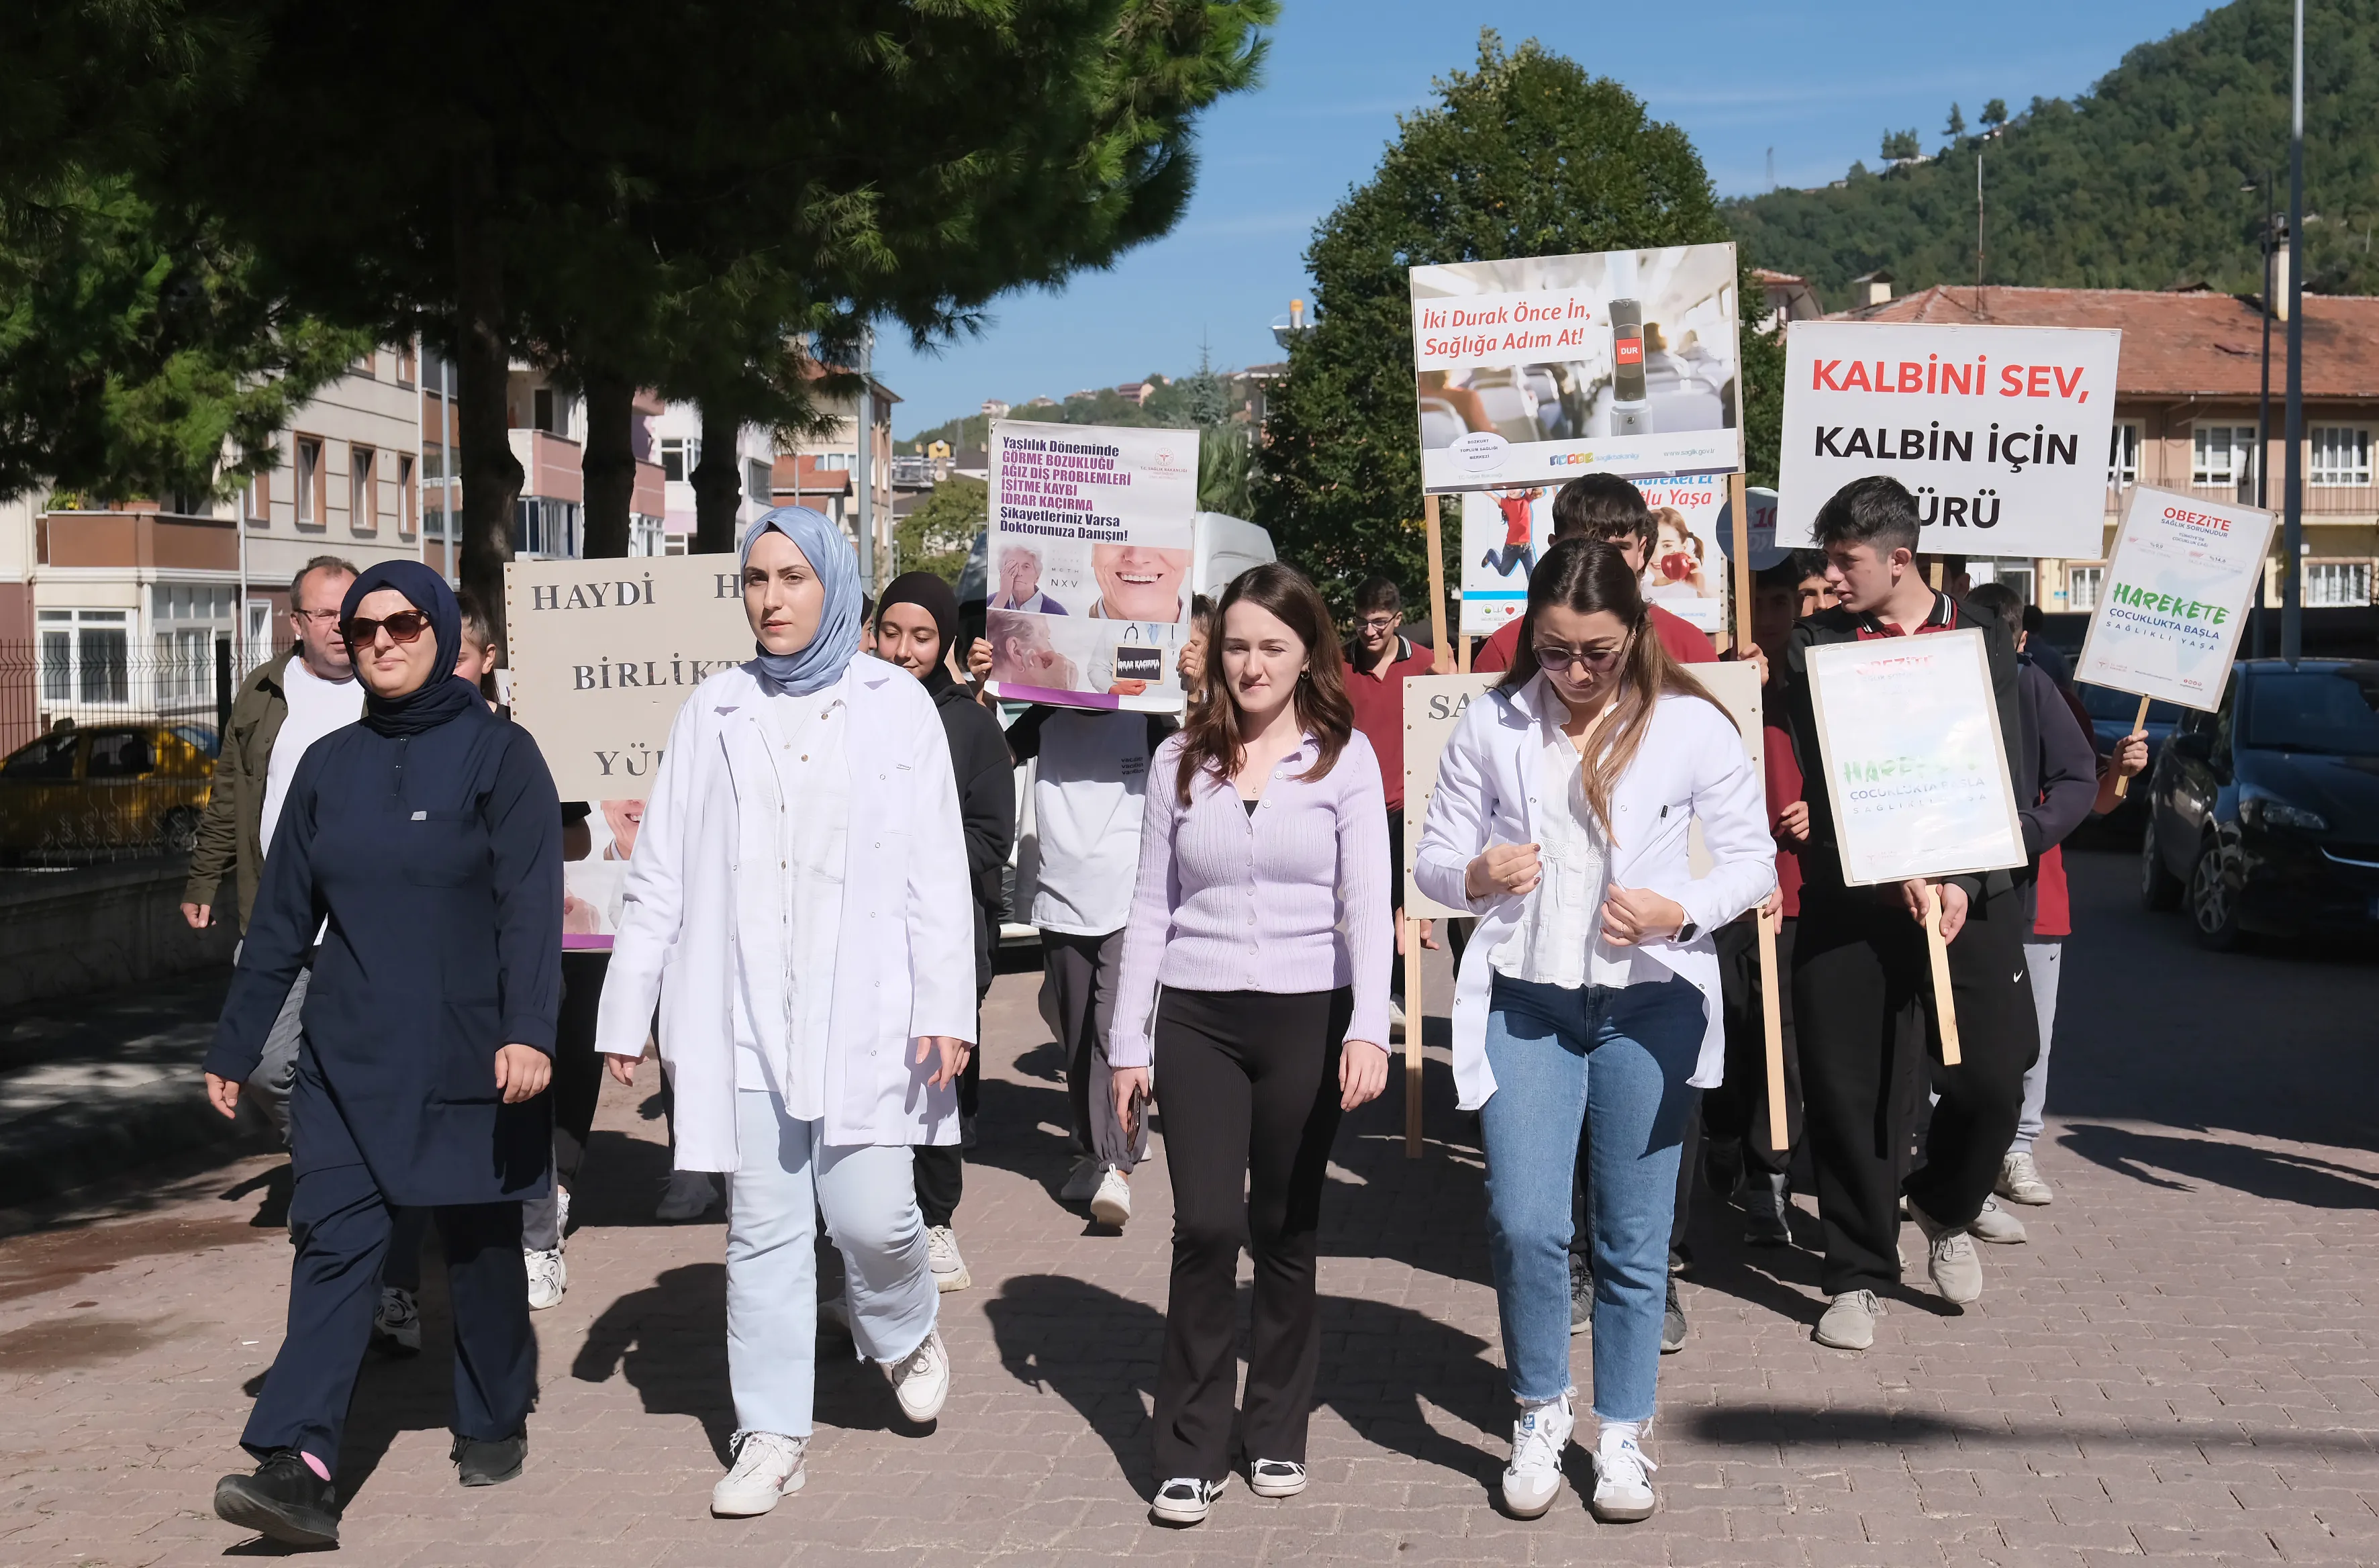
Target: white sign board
<point>1735,684</point>
<point>1506,533</point>
<point>1535,371</point>
<point>1909,734</point>
<point>2175,596</point>
<point>1433,704</point>
<point>2001,432</point>
<point>1091,546</point>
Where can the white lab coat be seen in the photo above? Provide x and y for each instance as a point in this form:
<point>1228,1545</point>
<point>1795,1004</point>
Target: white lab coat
<point>699,889</point>
<point>1691,765</point>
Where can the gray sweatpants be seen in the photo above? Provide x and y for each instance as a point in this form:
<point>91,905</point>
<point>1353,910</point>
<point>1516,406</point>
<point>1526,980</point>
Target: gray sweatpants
<point>2044,960</point>
<point>1077,980</point>
<point>278,1068</point>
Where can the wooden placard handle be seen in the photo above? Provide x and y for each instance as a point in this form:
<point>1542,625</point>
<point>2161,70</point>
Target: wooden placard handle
<point>1945,1005</point>
<point>2139,727</point>
<point>1412,1033</point>
<point>1442,661</point>
<point>1771,1022</point>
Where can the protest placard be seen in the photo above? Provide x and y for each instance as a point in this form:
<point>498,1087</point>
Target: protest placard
<point>1506,533</point>
<point>1092,533</point>
<point>1535,371</point>
<point>2001,432</point>
<point>2174,597</point>
<point>1432,705</point>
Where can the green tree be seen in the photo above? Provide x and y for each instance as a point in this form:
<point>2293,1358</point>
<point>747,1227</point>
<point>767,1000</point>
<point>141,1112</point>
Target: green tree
<point>1525,155</point>
<point>1995,112</point>
<point>1957,125</point>
<point>936,536</point>
<point>1900,144</point>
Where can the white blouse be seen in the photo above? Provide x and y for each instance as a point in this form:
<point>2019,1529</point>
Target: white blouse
<point>1559,938</point>
<point>806,738</point>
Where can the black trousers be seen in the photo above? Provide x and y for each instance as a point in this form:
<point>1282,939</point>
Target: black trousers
<point>941,1167</point>
<point>1250,1085</point>
<point>1870,1046</point>
<point>578,1069</point>
<point>1396,899</point>
<point>1737,1109</point>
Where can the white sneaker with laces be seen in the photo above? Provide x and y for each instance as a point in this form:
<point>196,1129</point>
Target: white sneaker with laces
<point>768,1466</point>
<point>1183,1500</point>
<point>1276,1477</point>
<point>548,1276</point>
<point>1848,1321</point>
<point>2019,1181</point>
<point>1623,1487</point>
<point>1082,1179</point>
<point>1997,1226</point>
<point>1111,1204</point>
<point>1956,1267</point>
<point>398,1320</point>
<point>942,1254</point>
<point>688,1197</point>
<point>921,1380</point>
<point>1538,1438</point>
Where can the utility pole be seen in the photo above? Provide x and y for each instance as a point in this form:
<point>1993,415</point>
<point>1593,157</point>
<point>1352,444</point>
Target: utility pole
<point>2264,412</point>
<point>1978,235</point>
<point>2292,530</point>
<point>862,475</point>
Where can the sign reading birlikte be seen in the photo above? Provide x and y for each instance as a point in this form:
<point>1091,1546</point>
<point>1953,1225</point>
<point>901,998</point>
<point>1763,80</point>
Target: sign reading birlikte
<point>2001,431</point>
<point>2174,597</point>
<point>1909,734</point>
<point>1091,530</point>
<point>1530,372</point>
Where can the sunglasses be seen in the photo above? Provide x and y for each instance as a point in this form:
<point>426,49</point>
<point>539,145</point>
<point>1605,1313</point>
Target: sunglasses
<point>1562,659</point>
<point>404,626</point>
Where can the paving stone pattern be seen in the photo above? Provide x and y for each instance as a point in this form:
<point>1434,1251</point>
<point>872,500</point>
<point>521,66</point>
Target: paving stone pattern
<point>2179,1364</point>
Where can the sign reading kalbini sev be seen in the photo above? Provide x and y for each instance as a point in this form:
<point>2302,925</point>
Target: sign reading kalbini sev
<point>2174,597</point>
<point>1909,735</point>
<point>604,652</point>
<point>1090,549</point>
<point>2000,432</point>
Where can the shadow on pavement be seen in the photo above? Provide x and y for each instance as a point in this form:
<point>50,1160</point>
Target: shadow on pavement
<point>670,1341</point>
<point>1788,1428</point>
<point>2273,1174</point>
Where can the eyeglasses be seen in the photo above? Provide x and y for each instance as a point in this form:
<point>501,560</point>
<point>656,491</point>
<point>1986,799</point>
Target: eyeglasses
<point>404,626</point>
<point>1561,659</point>
<point>1379,622</point>
<point>317,616</point>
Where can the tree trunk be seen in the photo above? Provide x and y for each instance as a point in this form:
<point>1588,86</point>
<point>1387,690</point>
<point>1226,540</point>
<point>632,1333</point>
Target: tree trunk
<point>491,476</point>
<point>609,465</point>
<point>718,485</point>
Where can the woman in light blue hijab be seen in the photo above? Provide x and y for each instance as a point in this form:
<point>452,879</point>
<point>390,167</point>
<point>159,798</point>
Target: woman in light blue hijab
<point>802,875</point>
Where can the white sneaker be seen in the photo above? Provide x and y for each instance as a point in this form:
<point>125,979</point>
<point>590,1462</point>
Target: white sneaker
<point>942,1252</point>
<point>1276,1477</point>
<point>1997,1226</point>
<point>1083,1179</point>
<point>1622,1488</point>
<point>768,1466</point>
<point>1183,1500</point>
<point>2019,1181</point>
<point>398,1320</point>
<point>921,1380</point>
<point>548,1276</point>
<point>1849,1321</point>
<point>1534,1476</point>
<point>688,1197</point>
<point>1956,1267</point>
<point>1111,1204</point>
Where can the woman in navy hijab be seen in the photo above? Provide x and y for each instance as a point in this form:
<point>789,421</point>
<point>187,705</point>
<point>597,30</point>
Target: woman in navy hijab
<point>424,845</point>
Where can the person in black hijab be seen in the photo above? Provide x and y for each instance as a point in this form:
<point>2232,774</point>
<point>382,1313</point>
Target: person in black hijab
<point>425,842</point>
<point>916,626</point>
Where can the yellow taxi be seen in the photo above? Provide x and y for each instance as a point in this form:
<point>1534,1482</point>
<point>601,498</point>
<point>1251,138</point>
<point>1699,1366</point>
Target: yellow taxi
<point>80,793</point>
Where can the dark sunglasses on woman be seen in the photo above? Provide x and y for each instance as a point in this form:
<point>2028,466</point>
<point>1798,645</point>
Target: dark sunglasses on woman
<point>404,626</point>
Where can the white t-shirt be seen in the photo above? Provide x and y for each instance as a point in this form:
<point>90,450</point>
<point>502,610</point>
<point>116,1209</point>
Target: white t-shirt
<point>1087,796</point>
<point>315,707</point>
<point>808,742</point>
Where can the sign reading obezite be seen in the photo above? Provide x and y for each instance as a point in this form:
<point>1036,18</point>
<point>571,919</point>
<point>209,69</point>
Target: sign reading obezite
<point>2174,597</point>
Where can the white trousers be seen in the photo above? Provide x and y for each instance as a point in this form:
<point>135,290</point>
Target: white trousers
<point>783,1177</point>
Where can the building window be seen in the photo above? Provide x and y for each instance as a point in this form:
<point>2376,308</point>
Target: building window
<point>2223,454</point>
<point>363,492</point>
<point>681,455</point>
<point>545,527</point>
<point>832,461</point>
<point>756,480</point>
<point>2083,584</point>
<point>2123,455</point>
<point>86,656</point>
<point>2341,455</point>
<point>189,617</point>
<point>2332,583</point>
<point>313,499</point>
<point>405,492</point>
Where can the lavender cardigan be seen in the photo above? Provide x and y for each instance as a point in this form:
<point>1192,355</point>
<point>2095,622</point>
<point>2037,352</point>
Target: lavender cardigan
<point>1292,898</point>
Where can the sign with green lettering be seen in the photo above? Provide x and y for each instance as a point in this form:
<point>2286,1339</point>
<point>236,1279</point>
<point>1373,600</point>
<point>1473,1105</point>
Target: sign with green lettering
<point>2175,596</point>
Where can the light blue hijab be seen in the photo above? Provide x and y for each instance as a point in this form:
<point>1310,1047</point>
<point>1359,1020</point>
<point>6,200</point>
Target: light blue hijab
<point>821,663</point>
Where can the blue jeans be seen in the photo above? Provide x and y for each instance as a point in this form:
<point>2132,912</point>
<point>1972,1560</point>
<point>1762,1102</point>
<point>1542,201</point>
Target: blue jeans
<point>1614,1061</point>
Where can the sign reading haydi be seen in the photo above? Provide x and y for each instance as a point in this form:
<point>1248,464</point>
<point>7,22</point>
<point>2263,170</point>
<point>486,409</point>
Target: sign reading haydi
<point>2175,597</point>
<point>2001,432</point>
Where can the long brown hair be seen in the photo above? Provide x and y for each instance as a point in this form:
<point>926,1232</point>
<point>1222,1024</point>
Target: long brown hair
<point>1210,739</point>
<point>1587,576</point>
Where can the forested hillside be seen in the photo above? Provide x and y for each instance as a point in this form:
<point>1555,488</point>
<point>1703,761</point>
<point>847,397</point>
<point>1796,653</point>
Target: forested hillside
<point>2134,185</point>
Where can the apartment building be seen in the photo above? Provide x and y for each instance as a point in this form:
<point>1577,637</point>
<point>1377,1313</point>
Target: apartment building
<point>678,431</point>
<point>821,471</point>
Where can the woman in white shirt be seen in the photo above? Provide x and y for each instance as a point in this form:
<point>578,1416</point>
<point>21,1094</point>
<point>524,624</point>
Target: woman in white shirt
<point>813,1022</point>
<point>1590,993</point>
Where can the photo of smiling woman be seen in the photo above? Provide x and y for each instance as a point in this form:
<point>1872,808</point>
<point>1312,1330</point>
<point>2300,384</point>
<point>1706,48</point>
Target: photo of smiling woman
<point>1262,910</point>
<point>1588,996</point>
<point>802,875</point>
<point>429,836</point>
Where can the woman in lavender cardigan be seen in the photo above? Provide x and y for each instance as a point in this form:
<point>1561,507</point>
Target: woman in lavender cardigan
<point>1262,910</point>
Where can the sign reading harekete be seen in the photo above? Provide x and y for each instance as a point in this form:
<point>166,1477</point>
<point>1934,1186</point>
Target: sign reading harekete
<point>2001,431</point>
<point>1092,532</point>
<point>604,652</point>
<point>2174,597</point>
<point>1909,734</point>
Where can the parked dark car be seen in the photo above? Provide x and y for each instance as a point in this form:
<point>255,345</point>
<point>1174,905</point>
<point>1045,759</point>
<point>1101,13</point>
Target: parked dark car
<point>2111,713</point>
<point>2265,815</point>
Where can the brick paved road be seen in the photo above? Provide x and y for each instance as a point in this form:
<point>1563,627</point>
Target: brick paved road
<point>2182,1362</point>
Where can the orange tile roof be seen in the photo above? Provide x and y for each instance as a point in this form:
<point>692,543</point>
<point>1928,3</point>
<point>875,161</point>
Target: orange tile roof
<point>2195,342</point>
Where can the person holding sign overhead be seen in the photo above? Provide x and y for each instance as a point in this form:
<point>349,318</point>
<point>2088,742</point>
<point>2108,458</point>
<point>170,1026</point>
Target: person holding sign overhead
<point>1588,998</point>
<point>1861,965</point>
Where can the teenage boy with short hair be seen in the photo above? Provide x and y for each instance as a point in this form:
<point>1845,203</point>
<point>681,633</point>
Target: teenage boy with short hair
<point>1379,658</point>
<point>1605,506</point>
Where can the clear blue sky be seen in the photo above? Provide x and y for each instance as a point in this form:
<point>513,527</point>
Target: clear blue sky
<point>1818,83</point>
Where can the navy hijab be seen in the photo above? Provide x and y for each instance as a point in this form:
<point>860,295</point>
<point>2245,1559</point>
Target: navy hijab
<point>441,697</point>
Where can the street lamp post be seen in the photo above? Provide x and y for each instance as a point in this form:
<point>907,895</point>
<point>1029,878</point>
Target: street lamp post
<point>2264,409</point>
<point>2292,531</point>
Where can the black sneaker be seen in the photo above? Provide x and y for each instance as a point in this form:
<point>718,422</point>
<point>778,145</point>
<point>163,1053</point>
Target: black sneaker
<point>283,1501</point>
<point>482,1464</point>
<point>1184,1500</point>
<point>1681,1259</point>
<point>1581,1296</point>
<point>1672,1324</point>
<point>1767,1209</point>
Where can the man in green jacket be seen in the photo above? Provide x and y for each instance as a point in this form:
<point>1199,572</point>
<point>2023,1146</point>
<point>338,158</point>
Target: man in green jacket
<point>284,705</point>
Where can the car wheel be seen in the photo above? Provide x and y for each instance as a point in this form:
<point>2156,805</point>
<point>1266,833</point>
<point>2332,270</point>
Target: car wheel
<point>2159,890</point>
<point>178,830</point>
<point>2212,902</point>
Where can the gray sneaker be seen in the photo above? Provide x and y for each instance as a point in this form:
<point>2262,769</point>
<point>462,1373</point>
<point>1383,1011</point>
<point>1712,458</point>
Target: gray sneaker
<point>1581,1297</point>
<point>2019,1181</point>
<point>1673,1323</point>
<point>1849,1323</point>
<point>1956,1267</point>
<point>1997,1226</point>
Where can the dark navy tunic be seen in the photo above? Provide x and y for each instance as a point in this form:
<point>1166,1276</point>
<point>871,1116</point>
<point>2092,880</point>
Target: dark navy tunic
<point>437,859</point>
